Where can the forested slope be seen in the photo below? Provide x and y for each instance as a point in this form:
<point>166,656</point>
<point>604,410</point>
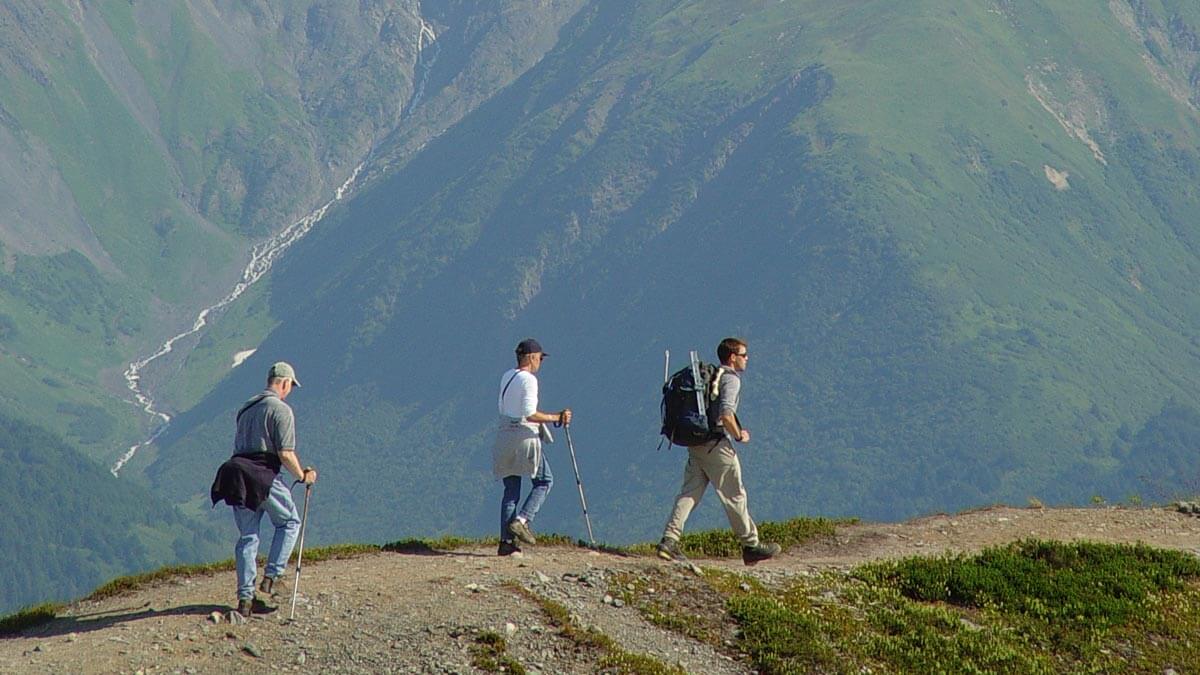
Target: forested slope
<point>69,524</point>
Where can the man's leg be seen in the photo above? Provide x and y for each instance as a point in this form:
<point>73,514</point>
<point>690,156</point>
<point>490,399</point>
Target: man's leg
<point>508,505</point>
<point>245,553</point>
<point>725,471</point>
<point>543,480</point>
<point>286,519</point>
<point>690,493</point>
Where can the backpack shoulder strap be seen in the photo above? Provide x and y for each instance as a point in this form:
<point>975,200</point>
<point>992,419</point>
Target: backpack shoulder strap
<point>249,404</point>
<point>510,381</point>
<point>716,384</point>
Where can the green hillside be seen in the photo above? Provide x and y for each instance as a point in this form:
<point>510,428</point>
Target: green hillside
<point>143,148</point>
<point>957,237</point>
<point>70,525</point>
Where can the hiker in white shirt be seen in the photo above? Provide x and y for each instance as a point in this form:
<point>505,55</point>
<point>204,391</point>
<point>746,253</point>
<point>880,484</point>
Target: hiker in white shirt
<point>518,448</point>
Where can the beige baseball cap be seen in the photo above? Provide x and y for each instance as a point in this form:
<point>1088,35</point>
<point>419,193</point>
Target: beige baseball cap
<point>283,369</point>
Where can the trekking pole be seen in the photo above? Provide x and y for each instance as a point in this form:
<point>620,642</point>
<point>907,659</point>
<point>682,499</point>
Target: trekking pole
<point>300,554</point>
<point>579,483</point>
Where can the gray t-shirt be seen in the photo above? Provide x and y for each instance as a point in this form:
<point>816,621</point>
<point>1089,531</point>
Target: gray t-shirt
<point>266,426</point>
<point>730,392</point>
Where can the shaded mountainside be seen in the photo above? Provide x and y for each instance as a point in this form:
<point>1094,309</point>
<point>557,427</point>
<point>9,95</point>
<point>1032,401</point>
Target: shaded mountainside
<point>956,237</point>
<point>69,524</point>
<point>991,590</point>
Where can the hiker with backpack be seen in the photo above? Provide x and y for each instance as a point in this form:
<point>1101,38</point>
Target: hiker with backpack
<point>700,412</point>
<point>518,450</point>
<point>251,483</point>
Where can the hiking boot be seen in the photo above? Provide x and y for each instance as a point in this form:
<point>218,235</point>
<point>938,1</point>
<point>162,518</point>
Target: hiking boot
<point>752,555</point>
<point>668,549</point>
<point>520,530</point>
<point>272,586</point>
<point>254,606</point>
<point>509,548</point>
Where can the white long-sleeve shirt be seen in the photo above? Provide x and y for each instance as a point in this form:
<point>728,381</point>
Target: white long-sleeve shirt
<point>521,398</point>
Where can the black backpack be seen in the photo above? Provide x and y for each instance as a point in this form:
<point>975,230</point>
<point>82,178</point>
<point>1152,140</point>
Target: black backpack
<point>682,422</point>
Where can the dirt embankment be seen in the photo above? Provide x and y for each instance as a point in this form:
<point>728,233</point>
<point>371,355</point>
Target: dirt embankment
<point>390,612</point>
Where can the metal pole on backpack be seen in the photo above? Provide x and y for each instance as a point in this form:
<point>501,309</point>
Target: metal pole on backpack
<point>300,553</point>
<point>579,484</point>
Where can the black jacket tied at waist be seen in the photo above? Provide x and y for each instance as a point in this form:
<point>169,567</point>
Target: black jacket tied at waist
<point>245,480</point>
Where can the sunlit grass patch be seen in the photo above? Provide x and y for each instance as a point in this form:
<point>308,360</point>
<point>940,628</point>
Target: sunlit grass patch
<point>722,544</point>
<point>1103,584</point>
<point>684,604</point>
<point>29,617</point>
<point>133,582</point>
<point>1030,607</point>
<point>612,657</point>
<point>490,654</point>
<point>337,552</point>
<point>836,623</point>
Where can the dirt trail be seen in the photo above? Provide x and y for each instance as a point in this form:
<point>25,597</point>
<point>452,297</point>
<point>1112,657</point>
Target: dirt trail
<point>391,612</point>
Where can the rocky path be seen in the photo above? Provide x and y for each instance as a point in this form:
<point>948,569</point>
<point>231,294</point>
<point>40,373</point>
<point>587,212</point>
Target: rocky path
<point>407,613</point>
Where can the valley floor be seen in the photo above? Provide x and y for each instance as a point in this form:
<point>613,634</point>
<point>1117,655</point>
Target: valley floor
<point>392,612</point>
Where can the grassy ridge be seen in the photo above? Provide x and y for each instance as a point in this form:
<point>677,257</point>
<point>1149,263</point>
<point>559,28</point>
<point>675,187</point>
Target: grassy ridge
<point>126,584</point>
<point>1028,607</point>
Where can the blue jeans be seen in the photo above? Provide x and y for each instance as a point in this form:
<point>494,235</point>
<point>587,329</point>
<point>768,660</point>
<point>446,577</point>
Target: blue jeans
<point>542,480</point>
<point>282,510</point>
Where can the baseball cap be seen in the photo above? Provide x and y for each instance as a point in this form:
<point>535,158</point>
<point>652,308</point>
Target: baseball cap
<point>529,346</point>
<point>283,369</point>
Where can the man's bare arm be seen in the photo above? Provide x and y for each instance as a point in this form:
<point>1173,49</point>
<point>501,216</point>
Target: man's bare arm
<point>291,462</point>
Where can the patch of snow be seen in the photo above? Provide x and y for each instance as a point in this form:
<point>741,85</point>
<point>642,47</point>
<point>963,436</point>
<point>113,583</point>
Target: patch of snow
<point>241,356</point>
<point>1057,178</point>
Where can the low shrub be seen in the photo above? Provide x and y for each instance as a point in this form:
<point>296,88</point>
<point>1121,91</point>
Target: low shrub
<point>1102,584</point>
<point>29,617</point>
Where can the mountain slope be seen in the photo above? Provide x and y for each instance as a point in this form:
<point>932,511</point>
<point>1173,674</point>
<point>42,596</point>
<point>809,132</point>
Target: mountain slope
<point>956,238</point>
<point>948,233</point>
<point>70,524</point>
<point>145,146</point>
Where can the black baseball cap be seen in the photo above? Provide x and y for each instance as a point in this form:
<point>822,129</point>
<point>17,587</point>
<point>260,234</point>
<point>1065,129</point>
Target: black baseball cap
<point>529,346</point>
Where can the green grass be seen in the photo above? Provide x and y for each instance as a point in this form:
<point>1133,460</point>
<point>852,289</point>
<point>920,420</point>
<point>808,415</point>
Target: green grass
<point>134,582</point>
<point>489,654</point>
<point>28,618</point>
<point>686,604</point>
<point>612,657</point>
<point>1030,607</point>
<point>1100,584</point>
<point>722,543</point>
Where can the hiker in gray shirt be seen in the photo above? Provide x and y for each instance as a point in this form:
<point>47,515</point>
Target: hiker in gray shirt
<point>250,482</point>
<point>717,462</point>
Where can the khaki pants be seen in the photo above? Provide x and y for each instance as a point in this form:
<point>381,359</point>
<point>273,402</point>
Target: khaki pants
<point>719,466</point>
